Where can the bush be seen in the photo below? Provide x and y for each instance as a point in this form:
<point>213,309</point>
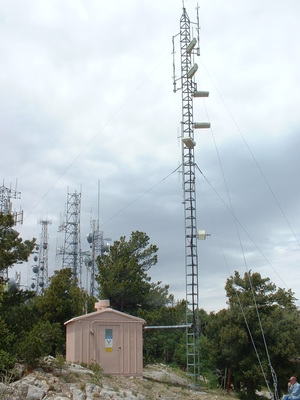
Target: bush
<point>180,353</point>
<point>98,374</point>
<point>41,341</point>
<point>7,361</point>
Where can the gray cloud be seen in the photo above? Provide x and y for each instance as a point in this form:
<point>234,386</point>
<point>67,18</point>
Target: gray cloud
<point>87,96</point>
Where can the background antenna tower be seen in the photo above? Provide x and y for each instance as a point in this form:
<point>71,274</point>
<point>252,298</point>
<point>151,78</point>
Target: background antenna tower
<point>43,259</point>
<point>97,247</point>
<point>94,239</point>
<point>40,269</point>
<point>6,195</point>
<point>71,251</point>
<point>189,91</point>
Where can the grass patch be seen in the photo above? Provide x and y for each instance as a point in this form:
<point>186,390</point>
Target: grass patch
<point>97,374</point>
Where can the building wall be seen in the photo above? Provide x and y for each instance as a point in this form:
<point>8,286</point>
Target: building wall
<point>113,341</point>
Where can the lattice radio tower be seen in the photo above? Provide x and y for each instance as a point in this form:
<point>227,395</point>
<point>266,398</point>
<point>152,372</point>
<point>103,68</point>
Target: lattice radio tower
<point>71,250</point>
<point>95,239</point>
<point>188,51</point>
<point>40,269</point>
<point>97,248</point>
<point>6,195</point>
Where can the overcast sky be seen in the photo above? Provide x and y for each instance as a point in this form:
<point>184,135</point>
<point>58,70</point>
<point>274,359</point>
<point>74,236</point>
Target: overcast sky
<point>87,95</point>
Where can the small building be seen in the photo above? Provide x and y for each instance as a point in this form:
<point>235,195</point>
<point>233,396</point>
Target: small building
<point>110,338</point>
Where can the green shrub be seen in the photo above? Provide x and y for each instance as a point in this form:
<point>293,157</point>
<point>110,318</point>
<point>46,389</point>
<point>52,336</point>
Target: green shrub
<point>41,341</point>
<point>98,374</point>
<point>180,353</point>
<point>7,358</point>
<point>7,361</point>
<point>59,361</point>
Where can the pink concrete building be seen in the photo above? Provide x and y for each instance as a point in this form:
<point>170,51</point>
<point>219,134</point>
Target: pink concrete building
<point>110,338</point>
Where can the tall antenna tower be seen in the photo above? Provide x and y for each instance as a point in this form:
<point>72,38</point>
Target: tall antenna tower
<point>71,250</point>
<point>6,195</point>
<point>189,91</point>
<point>40,270</point>
<point>44,253</point>
<point>95,239</point>
<point>97,247</point>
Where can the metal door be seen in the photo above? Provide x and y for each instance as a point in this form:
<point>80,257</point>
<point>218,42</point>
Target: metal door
<point>109,349</point>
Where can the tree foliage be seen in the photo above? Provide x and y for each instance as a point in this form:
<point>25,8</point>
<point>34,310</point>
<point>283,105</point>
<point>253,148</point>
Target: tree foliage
<point>123,277</point>
<point>260,320</point>
<point>161,344</point>
<point>62,300</point>
<point>7,358</point>
<point>258,314</point>
<point>43,339</point>
<point>12,248</point>
<point>20,311</point>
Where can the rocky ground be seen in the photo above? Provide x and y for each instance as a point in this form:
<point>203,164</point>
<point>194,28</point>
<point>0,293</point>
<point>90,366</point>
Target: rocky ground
<point>62,382</point>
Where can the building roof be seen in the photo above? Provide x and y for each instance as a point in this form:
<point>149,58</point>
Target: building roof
<point>108,313</point>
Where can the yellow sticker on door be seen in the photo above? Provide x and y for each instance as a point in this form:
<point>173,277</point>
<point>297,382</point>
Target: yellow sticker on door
<point>108,340</point>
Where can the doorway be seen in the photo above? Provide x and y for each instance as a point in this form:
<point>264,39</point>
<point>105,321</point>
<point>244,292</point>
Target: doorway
<point>108,348</point>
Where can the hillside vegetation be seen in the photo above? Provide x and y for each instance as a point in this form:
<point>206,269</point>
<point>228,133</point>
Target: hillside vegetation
<point>240,347</point>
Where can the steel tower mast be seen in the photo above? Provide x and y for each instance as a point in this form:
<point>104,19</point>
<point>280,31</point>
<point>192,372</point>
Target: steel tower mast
<point>43,255</point>
<point>97,248</point>
<point>6,195</point>
<point>40,269</point>
<point>71,251</point>
<point>95,240</point>
<point>189,91</point>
